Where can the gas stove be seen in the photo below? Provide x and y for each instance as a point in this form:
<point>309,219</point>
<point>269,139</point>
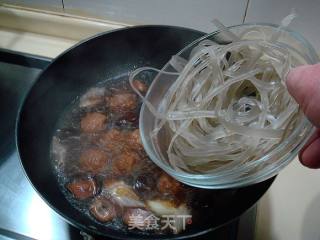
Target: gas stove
<point>23,213</point>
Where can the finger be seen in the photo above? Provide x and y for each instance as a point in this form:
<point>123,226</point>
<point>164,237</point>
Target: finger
<point>310,153</point>
<point>303,84</point>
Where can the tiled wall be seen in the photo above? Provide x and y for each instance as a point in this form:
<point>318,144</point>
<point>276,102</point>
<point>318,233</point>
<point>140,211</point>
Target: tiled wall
<point>272,11</point>
<point>196,14</point>
<point>54,5</point>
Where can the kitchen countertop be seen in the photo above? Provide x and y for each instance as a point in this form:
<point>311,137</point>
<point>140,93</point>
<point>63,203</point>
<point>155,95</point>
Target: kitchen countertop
<point>289,210</point>
<point>46,33</point>
<point>291,207</point>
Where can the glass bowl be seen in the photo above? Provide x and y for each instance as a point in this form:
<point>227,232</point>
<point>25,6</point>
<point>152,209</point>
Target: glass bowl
<point>249,173</point>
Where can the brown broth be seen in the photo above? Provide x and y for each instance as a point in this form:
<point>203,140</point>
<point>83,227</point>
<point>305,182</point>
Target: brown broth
<point>69,141</point>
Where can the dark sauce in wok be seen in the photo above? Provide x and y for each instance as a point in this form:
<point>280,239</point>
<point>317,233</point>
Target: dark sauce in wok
<point>70,141</point>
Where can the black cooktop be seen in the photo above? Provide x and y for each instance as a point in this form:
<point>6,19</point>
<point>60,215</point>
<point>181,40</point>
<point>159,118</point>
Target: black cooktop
<point>23,214</point>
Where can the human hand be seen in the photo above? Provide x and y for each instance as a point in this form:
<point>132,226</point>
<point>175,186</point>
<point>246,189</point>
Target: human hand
<point>304,85</point>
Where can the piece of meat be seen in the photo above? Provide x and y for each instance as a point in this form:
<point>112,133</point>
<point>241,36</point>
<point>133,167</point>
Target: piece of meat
<point>137,217</point>
<point>93,160</point>
<point>140,86</point>
<point>122,143</point>
<point>122,101</point>
<point>112,141</point>
<point>168,185</point>
<point>125,162</point>
<point>181,213</point>
<point>121,193</point>
<point>134,140</point>
<point>93,122</point>
<point>82,188</point>
<point>103,209</point>
<point>92,98</point>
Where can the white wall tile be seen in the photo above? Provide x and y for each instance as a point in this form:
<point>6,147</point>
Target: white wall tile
<point>196,14</point>
<point>308,22</point>
<point>55,5</point>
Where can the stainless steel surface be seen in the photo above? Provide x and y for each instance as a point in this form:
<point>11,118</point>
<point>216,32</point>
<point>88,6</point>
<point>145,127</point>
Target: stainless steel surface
<point>23,214</point>
<point>22,211</point>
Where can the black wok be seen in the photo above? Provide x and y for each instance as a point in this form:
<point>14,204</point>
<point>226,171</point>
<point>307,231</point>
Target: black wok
<point>105,56</point>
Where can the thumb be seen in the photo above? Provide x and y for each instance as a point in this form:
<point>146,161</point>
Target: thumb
<point>303,84</point>
<point>310,153</point>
